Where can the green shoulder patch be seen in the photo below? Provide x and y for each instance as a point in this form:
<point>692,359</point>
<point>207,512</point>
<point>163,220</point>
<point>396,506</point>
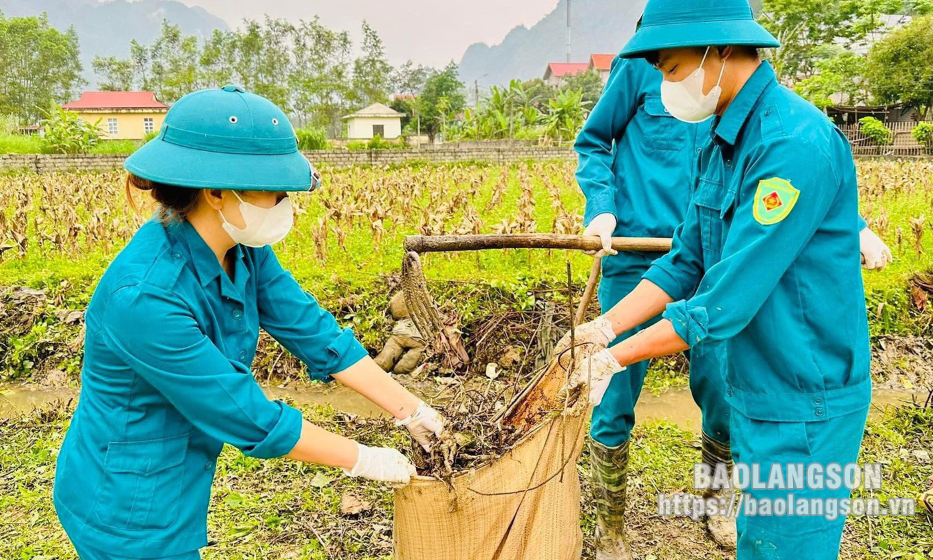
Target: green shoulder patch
<point>774,201</point>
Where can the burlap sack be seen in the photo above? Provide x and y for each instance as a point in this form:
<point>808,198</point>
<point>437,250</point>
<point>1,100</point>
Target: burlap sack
<point>523,506</point>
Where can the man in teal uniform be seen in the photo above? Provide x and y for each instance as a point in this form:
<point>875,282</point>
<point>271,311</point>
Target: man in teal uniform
<point>764,264</point>
<point>636,168</point>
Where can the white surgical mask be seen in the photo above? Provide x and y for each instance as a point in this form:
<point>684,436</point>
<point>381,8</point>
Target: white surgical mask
<point>685,101</point>
<point>264,226</point>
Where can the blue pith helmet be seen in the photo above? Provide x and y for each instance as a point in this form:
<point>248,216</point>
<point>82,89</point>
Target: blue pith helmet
<point>225,138</point>
<point>673,24</point>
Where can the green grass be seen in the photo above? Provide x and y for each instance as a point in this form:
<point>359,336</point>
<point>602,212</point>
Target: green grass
<point>363,264</point>
<point>116,147</point>
<point>353,280</point>
<point>281,509</point>
<point>20,144</point>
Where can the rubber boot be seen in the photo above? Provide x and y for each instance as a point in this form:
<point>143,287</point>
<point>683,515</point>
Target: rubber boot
<point>609,473</point>
<point>926,499</point>
<point>721,528</point>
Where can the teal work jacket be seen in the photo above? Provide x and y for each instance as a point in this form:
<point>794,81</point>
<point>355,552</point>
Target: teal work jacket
<point>166,383</point>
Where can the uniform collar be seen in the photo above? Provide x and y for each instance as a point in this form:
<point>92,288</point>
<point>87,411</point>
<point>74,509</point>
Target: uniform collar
<point>202,258</point>
<point>731,123</point>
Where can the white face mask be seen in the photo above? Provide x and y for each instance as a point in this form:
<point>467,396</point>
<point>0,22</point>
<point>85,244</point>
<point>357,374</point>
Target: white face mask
<point>685,101</point>
<point>264,226</point>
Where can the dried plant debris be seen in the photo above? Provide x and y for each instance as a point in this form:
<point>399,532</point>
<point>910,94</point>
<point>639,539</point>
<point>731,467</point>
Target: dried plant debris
<point>475,433</point>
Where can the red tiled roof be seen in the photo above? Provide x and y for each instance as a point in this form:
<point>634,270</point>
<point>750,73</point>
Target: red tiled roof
<point>116,100</point>
<point>561,69</point>
<point>602,62</point>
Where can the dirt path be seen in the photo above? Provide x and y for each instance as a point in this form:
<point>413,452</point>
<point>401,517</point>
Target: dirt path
<point>675,406</point>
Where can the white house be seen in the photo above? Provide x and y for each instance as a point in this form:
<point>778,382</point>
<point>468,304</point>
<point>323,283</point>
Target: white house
<point>375,120</point>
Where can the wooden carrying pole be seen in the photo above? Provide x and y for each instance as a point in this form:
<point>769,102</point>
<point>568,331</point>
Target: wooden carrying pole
<point>455,243</point>
<point>542,394</point>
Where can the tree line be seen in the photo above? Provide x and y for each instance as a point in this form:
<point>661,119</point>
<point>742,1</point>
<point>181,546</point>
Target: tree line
<point>39,66</point>
<point>854,52</point>
<point>848,51</point>
<point>305,68</point>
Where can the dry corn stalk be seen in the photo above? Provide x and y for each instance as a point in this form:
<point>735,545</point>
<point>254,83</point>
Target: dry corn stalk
<point>428,320</point>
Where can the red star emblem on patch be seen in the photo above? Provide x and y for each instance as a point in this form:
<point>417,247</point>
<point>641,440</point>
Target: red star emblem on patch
<point>773,201</point>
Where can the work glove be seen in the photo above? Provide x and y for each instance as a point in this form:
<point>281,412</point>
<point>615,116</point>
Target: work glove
<point>597,370</point>
<point>875,254</point>
<point>589,337</point>
<point>382,464</point>
<point>602,226</point>
<point>425,426</point>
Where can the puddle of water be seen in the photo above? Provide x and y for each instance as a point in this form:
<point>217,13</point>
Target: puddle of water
<point>677,406</point>
<point>333,395</point>
<point>16,400</point>
<point>674,406</point>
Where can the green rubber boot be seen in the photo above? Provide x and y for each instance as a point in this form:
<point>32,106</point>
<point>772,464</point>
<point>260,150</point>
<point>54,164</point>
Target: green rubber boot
<point>721,528</point>
<point>609,473</point>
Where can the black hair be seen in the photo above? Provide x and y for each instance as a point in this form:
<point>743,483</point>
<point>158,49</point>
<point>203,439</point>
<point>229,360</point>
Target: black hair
<point>654,57</point>
<point>175,203</point>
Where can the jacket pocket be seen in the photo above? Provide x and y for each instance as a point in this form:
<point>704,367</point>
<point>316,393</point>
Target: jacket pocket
<point>142,483</point>
<point>713,202</point>
<point>662,131</point>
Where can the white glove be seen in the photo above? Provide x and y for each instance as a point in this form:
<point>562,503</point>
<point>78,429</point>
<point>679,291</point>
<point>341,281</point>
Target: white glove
<point>596,369</point>
<point>602,226</point>
<point>875,254</point>
<point>425,425</point>
<point>382,464</point>
<point>593,336</point>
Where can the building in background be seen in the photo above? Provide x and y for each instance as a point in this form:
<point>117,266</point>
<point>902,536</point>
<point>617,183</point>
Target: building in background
<point>602,63</point>
<point>375,120</point>
<point>843,115</point>
<point>123,115</point>
<point>557,72</point>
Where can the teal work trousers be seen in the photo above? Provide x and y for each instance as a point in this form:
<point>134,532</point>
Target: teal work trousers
<point>614,418</point>
<point>793,537</point>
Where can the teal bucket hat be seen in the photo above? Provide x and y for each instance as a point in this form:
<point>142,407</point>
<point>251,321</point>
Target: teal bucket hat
<point>673,24</point>
<point>225,138</point>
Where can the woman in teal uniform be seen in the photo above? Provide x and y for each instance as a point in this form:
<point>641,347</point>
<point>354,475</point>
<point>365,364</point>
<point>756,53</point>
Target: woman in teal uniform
<point>765,264</point>
<point>172,330</point>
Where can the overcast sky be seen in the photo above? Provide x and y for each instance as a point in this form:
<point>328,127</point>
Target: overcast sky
<point>430,32</point>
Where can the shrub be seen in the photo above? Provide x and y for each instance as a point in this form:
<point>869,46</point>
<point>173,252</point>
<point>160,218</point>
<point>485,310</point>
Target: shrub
<point>876,131</point>
<point>117,147</point>
<point>314,138</point>
<point>67,133</point>
<point>923,133</point>
<point>376,143</point>
<point>379,143</point>
<point>20,144</point>
<point>8,125</point>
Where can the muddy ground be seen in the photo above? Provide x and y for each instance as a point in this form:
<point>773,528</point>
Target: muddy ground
<point>279,509</point>
<point>41,338</point>
<point>276,509</point>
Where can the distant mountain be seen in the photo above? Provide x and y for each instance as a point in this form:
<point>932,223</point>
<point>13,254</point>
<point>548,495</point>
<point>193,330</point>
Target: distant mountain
<point>599,26</point>
<point>106,28</point>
